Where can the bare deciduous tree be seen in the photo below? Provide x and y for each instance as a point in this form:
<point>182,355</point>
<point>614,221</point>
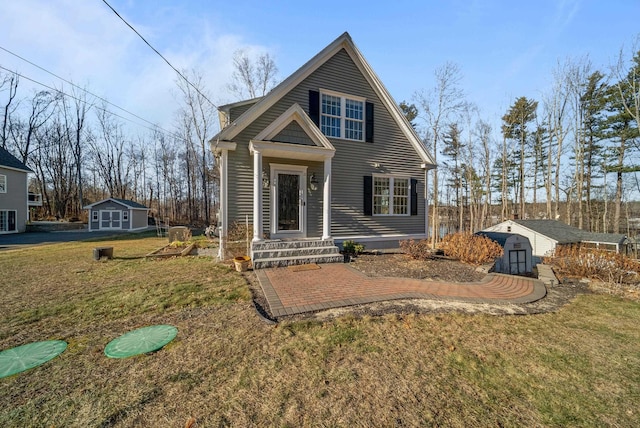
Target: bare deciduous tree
<point>252,78</point>
<point>439,105</point>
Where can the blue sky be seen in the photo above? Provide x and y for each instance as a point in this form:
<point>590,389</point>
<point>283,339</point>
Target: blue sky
<point>505,49</point>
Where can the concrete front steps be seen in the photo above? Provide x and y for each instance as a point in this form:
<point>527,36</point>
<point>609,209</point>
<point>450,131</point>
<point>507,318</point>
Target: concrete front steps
<point>279,253</point>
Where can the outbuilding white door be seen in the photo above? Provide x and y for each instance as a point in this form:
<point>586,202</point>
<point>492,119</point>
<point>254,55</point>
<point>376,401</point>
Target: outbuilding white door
<point>110,219</point>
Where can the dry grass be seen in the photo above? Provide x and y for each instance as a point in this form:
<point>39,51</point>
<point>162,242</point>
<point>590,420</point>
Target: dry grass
<point>577,367</point>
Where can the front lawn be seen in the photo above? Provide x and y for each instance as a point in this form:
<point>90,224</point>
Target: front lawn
<point>577,367</point>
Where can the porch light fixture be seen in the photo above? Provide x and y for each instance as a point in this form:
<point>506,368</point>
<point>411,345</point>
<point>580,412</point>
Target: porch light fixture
<point>313,181</point>
<point>265,179</point>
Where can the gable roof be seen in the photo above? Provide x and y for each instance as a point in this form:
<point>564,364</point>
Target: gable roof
<point>126,202</point>
<point>343,42</point>
<point>8,160</point>
<point>500,237</point>
<point>565,234</point>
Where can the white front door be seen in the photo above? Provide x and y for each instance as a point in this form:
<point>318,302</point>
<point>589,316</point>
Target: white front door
<point>110,219</point>
<point>288,201</point>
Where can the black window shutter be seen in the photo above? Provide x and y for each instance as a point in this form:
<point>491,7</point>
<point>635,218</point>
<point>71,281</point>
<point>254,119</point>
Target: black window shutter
<point>314,107</point>
<point>368,126</point>
<point>368,195</point>
<point>414,196</point>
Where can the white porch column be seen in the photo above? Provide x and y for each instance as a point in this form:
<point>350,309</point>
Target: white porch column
<point>257,196</point>
<point>326,200</point>
<point>224,208</point>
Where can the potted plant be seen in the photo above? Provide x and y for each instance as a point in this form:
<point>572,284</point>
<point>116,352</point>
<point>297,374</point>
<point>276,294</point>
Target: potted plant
<point>351,249</point>
<point>241,263</point>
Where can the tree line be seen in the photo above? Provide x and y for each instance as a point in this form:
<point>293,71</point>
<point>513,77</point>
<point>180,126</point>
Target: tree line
<point>572,155</point>
<point>81,151</point>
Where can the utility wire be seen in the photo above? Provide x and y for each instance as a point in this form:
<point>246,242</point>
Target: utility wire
<point>74,85</point>
<point>161,56</point>
<point>153,128</point>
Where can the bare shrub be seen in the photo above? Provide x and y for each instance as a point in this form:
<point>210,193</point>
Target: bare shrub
<point>606,266</point>
<point>417,250</point>
<point>469,248</point>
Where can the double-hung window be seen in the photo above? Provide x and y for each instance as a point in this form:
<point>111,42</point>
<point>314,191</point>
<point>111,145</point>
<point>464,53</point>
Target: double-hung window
<point>390,195</point>
<point>342,116</point>
<point>3,183</point>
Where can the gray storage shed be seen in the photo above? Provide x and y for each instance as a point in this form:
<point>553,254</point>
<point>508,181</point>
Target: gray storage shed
<point>517,258</point>
<point>117,214</point>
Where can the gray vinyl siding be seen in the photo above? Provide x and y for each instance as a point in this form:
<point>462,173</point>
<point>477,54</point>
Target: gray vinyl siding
<point>352,160</point>
<point>236,112</point>
<point>294,134</point>
<point>139,219</point>
<point>16,197</point>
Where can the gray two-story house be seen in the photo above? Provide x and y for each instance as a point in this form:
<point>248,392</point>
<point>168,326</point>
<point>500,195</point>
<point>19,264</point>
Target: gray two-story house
<point>14,193</point>
<point>326,156</point>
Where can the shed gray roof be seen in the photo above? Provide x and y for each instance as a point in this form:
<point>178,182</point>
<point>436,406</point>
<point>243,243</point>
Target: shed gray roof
<point>10,161</point>
<point>126,202</point>
<point>565,234</point>
<point>499,237</point>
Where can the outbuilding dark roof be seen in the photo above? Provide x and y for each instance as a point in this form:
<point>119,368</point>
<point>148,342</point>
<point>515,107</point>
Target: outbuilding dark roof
<point>126,202</point>
<point>129,203</point>
<point>499,237</point>
<point>10,161</point>
<point>565,234</point>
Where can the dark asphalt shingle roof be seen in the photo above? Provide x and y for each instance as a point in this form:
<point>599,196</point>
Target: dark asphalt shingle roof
<point>10,161</point>
<point>565,234</point>
<point>499,237</point>
<point>129,203</point>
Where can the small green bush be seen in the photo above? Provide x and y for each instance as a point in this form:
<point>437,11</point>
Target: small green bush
<point>352,247</point>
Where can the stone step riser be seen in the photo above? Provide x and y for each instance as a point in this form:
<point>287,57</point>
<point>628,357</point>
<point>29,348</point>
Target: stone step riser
<point>314,251</point>
<point>278,245</point>
<point>283,262</point>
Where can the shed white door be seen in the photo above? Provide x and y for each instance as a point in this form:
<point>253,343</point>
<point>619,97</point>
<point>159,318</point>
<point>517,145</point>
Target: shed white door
<point>110,219</point>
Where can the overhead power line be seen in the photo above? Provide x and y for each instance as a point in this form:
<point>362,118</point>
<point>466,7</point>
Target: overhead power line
<point>153,126</point>
<point>161,56</point>
<point>74,85</point>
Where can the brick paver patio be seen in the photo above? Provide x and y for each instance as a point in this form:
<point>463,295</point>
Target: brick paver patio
<point>290,292</point>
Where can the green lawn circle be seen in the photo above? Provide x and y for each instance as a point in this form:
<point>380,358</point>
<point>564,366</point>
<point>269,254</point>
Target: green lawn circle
<point>25,357</point>
<point>140,341</point>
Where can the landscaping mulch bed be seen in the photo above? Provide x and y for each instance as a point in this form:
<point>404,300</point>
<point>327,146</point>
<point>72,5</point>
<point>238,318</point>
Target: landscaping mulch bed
<point>401,265</point>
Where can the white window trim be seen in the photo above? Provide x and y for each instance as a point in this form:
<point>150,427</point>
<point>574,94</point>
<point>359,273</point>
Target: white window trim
<point>3,181</point>
<point>7,219</point>
<point>94,215</point>
<point>343,116</point>
<point>392,179</point>
<point>125,215</point>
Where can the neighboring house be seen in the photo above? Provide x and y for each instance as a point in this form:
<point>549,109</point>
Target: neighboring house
<point>517,257</point>
<point>545,235</point>
<point>14,193</point>
<point>327,154</point>
<point>117,214</point>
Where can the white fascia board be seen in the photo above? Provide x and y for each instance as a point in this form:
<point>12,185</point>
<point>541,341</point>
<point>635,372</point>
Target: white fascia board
<point>297,114</point>
<point>291,151</point>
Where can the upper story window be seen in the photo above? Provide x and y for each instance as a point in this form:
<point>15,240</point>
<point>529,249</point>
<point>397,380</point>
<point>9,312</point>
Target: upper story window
<point>342,116</point>
<point>3,183</point>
